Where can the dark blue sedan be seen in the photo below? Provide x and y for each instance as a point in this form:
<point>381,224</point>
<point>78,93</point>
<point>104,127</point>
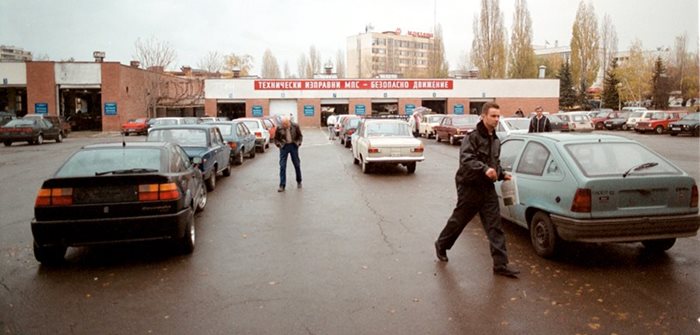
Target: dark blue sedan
<point>238,137</point>
<point>199,141</point>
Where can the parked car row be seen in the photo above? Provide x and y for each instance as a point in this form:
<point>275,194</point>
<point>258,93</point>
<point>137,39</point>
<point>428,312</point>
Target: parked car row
<point>34,129</point>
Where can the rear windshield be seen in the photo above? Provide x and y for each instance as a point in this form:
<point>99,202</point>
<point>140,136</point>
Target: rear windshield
<point>388,129</point>
<point>465,120</point>
<point>20,123</point>
<point>184,137</point>
<point>614,159</point>
<point>252,125</point>
<point>226,129</point>
<point>517,123</point>
<point>435,118</point>
<point>90,161</point>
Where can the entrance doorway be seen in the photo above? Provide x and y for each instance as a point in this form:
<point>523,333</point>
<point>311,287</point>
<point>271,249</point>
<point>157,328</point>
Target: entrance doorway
<point>231,110</point>
<point>328,109</point>
<point>81,107</point>
<point>385,108</point>
<point>437,106</point>
<point>284,108</point>
<point>13,100</point>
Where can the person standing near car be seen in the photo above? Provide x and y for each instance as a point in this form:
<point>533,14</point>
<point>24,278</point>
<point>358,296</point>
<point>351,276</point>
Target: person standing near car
<point>288,139</point>
<point>330,122</point>
<point>479,168</point>
<point>539,123</point>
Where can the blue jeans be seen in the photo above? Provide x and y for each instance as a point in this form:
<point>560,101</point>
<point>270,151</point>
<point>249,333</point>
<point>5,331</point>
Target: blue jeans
<point>287,149</point>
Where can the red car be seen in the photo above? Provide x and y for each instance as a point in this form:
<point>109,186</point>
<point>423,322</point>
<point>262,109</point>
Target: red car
<point>455,127</point>
<point>135,126</point>
<point>600,118</point>
<point>658,122</point>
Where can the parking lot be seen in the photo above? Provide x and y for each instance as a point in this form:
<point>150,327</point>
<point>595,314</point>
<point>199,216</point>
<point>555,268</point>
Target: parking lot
<point>350,253</point>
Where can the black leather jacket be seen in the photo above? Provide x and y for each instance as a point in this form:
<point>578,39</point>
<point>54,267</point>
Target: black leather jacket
<point>479,152</point>
<point>281,135</point>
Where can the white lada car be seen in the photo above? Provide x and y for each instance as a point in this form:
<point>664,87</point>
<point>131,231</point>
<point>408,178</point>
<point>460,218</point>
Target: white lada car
<point>385,141</point>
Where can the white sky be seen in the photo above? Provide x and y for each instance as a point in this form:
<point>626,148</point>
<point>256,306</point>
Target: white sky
<point>76,28</point>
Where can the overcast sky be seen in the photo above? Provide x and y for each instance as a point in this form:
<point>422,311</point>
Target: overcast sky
<point>76,28</point>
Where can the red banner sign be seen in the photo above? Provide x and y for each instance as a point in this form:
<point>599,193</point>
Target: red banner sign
<point>360,84</point>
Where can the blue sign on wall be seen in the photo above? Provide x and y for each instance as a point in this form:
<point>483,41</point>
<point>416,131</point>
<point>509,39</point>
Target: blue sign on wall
<point>257,111</point>
<point>110,108</point>
<point>308,110</point>
<point>41,108</point>
<point>459,109</point>
<point>359,109</point>
<point>409,109</point>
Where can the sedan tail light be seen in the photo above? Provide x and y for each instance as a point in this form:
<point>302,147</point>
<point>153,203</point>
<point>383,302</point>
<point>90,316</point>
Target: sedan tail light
<point>233,145</point>
<point>153,192</point>
<point>258,134</point>
<point>582,201</point>
<point>373,150</point>
<point>54,197</point>
<point>418,149</point>
<point>694,197</point>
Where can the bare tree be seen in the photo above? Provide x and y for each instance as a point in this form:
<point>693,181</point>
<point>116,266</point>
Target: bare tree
<point>314,63</point>
<point>585,60</point>
<point>683,70</point>
<point>437,65</point>
<point>270,67</point>
<point>287,72</point>
<point>242,63</point>
<point>213,62</point>
<point>522,56</point>
<point>489,45</point>
<point>154,53</point>
<point>340,64</point>
<point>303,67</point>
<point>608,41</point>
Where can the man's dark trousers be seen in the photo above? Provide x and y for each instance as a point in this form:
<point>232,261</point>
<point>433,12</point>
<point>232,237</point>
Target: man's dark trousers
<point>293,150</point>
<point>471,200</point>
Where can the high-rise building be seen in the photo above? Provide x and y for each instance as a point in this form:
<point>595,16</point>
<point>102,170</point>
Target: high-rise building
<point>9,53</point>
<point>389,53</point>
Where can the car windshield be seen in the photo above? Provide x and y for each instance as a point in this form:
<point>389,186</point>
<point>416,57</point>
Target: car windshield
<point>614,159</point>
<point>692,117</point>
<point>21,123</point>
<point>435,118</point>
<point>517,123</point>
<point>388,129</point>
<point>252,125</point>
<point>184,137</point>
<point>91,161</point>
<point>465,120</point>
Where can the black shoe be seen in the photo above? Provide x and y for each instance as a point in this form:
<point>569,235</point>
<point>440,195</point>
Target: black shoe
<point>281,189</point>
<point>299,185</point>
<point>505,270</point>
<point>441,253</point>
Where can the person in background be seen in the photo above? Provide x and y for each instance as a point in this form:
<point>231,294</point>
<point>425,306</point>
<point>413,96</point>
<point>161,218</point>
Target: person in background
<point>539,123</point>
<point>330,122</point>
<point>479,168</point>
<point>288,139</point>
<point>519,113</point>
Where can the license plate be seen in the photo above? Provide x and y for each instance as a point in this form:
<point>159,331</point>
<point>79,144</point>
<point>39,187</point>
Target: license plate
<point>675,128</point>
<point>132,129</point>
<point>395,154</point>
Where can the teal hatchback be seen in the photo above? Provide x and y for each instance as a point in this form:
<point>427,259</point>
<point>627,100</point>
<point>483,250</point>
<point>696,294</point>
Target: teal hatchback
<point>595,188</point>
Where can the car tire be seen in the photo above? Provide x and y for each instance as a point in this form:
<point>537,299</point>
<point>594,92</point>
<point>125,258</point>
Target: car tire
<point>599,126</point>
<point>659,245</point>
<point>624,127</point>
<point>543,235</point>
<point>252,153</point>
<point>49,255</point>
<point>365,166</point>
<point>411,167</point>
<point>7,143</point>
<point>211,182</point>
<point>227,170</point>
<point>39,140</point>
<point>342,140</point>
<point>59,138</point>
<point>202,204</point>
<point>238,159</point>
<point>437,137</point>
<point>263,148</point>
<point>347,143</point>
<point>355,160</point>
<point>187,242</point>
<point>659,130</point>
<point>452,140</point>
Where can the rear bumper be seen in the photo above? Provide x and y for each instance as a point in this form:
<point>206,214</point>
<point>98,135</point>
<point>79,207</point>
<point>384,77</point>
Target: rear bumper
<point>626,229</point>
<point>112,230</point>
<point>394,160</point>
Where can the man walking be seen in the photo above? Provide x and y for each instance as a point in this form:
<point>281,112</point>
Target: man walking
<point>479,168</point>
<point>288,138</point>
<point>539,123</point>
<point>330,122</point>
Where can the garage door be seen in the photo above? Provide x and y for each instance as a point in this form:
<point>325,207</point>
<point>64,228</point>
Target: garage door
<point>284,108</point>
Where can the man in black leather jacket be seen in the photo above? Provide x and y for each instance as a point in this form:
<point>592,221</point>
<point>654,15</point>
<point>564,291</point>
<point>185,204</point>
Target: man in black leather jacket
<point>479,168</point>
<point>288,138</point>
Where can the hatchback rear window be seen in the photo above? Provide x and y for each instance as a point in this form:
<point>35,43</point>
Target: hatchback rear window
<point>614,159</point>
<point>91,161</point>
<point>182,136</point>
<point>252,125</point>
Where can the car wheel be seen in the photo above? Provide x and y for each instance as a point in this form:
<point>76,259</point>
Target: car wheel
<point>342,140</point>
<point>437,137</point>
<point>238,160</point>
<point>347,143</point>
<point>263,148</point>
<point>452,140</point>
<point>355,160</point>
<point>39,140</point>
<point>543,235</point>
<point>624,127</point>
<point>59,138</point>
<point>211,182</point>
<point>202,198</point>
<point>186,244</point>
<point>659,129</point>
<point>227,170</point>
<point>411,167</point>
<point>252,153</point>
<point>599,126</point>
<point>365,166</point>
<point>49,255</point>
<point>659,245</point>
<point>7,143</point>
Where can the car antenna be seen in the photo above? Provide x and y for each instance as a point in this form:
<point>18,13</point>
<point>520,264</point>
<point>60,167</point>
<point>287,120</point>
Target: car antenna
<point>123,137</point>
